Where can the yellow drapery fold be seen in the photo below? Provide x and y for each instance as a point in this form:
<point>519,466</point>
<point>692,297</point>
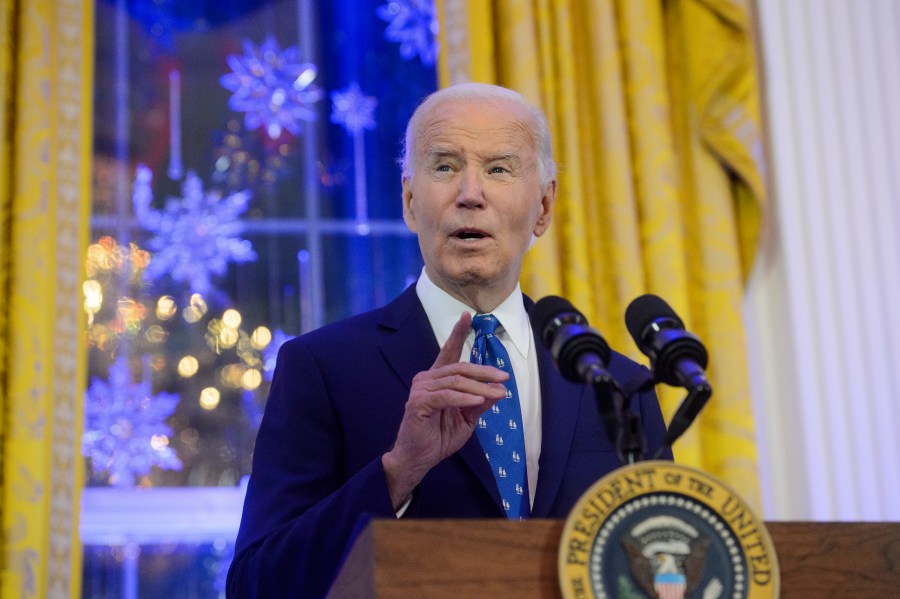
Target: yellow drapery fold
<point>653,106</point>
<point>46,66</point>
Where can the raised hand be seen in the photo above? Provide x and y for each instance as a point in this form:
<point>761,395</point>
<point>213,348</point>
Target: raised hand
<point>443,407</point>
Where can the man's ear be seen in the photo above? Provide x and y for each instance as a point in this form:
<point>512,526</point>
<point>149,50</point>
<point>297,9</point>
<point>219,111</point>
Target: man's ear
<point>409,215</point>
<point>547,202</point>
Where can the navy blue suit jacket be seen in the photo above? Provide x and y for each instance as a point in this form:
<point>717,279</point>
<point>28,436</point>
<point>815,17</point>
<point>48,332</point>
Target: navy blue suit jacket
<point>334,408</point>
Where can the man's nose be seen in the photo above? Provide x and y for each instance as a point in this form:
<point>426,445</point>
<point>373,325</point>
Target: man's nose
<point>471,189</point>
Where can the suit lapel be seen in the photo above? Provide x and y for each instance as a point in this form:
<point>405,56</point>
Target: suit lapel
<point>560,401</point>
<point>413,349</point>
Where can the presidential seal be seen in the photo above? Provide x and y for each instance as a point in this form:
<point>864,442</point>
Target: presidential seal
<point>660,530</point>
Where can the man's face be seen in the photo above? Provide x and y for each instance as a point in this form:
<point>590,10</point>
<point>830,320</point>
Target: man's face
<point>475,196</point>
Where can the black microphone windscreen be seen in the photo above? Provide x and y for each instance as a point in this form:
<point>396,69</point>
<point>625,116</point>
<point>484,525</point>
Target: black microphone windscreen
<point>578,350</point>
<point>643,310</point>
<point>547,309</point>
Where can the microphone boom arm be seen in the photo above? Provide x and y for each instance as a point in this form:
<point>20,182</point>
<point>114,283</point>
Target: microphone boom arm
<point>691,405</point>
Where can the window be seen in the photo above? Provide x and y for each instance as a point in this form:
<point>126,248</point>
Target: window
<point>245,191</point>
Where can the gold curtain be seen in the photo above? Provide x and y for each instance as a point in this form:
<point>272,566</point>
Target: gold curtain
<point>46,65</point>
<point>653,106</point>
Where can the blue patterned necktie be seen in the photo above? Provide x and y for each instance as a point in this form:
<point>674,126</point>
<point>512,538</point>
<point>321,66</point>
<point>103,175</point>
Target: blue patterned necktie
<point>500,429</point>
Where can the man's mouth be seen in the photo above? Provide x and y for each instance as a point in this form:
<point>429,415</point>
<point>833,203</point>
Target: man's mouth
<point>466,234</point>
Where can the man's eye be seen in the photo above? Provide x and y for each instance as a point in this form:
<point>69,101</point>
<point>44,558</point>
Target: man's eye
<point>443,168</point>
<point>495,170</point>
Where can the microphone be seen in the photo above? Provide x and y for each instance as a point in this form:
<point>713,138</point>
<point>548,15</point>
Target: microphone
<point>677,358</point>
<point>579,351</point>
<point>581,355</point>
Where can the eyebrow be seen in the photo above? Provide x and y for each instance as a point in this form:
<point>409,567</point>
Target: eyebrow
<point>441,152</point>
<point>512,156</point>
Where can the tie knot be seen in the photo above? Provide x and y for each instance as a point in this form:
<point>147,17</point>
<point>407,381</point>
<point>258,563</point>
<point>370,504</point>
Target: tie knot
<point>485,324</point>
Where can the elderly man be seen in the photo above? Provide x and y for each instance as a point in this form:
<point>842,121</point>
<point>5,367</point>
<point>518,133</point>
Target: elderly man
<point>385,415</point>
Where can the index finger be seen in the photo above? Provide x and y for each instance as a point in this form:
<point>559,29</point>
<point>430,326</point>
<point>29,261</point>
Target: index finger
<point>453,347</point>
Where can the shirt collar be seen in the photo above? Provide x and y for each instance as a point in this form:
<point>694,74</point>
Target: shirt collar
<point>443,311</point>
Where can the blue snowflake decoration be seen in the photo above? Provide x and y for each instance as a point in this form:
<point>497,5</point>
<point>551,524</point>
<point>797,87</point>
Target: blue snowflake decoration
<point>272,87</point>
<point>353,109</point>
<point>125,433</point>
<point>414,24</point>
<point>195,237</point>
<point>270,353</point>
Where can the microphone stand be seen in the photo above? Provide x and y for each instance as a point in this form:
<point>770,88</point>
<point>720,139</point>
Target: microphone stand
<point>631,442</point>
<point>604,385</point>
<point>623,427</point>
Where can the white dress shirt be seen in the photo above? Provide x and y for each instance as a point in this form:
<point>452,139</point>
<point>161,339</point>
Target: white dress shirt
<point>515,333</point>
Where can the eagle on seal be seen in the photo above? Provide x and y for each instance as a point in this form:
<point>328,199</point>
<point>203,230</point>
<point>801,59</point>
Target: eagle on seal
<point>666,561</point>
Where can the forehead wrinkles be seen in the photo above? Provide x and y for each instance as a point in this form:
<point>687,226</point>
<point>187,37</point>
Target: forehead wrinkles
<point>439,135</point>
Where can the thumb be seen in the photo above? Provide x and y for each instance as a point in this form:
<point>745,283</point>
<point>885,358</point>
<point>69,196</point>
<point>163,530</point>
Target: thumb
<point>453,347</point>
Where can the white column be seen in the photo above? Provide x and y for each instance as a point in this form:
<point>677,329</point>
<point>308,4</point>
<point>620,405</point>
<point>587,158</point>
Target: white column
<point>823,308</point>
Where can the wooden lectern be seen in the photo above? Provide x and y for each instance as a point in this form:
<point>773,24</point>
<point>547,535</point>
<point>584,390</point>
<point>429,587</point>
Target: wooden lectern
<point>458,559</point>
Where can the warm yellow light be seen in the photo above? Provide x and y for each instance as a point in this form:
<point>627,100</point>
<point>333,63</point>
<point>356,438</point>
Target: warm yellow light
<point>131,313</point>
<point>94,255</point>
<point>158,442</point>
<point>165,307</point>
<point>231,375</point>
<point>188,366</point>
<point>227,337</point>
<point>198,302</point>
<point>155,334</point>
<point>209,398</point>
<point>261,338</point>
<point>104,255</point>
<point>196,310</point>
<point>103,338</point>
<point>252,379</point>
<point>93,296</point>
<point>213,328</point>
<point>231,318</point>
<point>139,258</point>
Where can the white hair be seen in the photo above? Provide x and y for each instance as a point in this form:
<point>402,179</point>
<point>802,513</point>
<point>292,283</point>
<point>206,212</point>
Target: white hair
<point>486,92</point>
